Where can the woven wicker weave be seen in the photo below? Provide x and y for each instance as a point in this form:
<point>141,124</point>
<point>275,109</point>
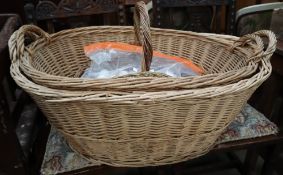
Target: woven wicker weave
<point>142,128</point>
<point>58,60</point>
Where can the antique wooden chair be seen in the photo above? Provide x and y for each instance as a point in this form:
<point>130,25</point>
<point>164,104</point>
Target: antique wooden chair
<point>73,13</point>
<point>268,98</point>
<point>215,16</point>
<point>256,17</point>
<point>129,6</point>
<point>20,121</point>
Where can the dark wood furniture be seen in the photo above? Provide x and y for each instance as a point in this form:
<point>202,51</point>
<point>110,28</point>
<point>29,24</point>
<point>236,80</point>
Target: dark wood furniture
<point>20,121</point>
<point>215,16</point>
<point>23,129</point>
<point>72,13</point>
<point>12,160</point>
<point>269,97</point>
<point>132,2</point>
<point>244,3</point>
<point>129,4</point>
<point>269,100</point>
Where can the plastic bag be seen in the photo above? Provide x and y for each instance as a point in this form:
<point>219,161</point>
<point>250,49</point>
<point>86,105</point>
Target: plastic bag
<point>113,59</point>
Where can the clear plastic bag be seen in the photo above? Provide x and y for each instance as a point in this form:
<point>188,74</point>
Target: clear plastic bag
<point>119,59</point>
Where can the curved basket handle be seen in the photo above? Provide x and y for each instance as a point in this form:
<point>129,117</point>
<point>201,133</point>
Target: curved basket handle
<point>256,37</point>
<point>142,33</point>
<point>271,47</point>
<point>17,40</point>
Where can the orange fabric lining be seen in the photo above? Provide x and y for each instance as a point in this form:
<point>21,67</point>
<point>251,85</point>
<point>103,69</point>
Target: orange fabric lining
<point>138,49</point>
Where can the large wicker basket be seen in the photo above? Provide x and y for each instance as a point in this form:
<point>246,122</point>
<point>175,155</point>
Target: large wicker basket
<point>142,128</point>
<point>58,60</point>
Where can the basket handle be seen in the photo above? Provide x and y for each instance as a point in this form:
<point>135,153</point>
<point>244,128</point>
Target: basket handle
<point>256,37</point>
<point>17,41</point>
<point>142,34</point>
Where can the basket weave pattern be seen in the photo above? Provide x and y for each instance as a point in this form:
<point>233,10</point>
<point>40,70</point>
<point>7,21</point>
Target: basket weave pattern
<point>140,121</point>
<point>52,61</point>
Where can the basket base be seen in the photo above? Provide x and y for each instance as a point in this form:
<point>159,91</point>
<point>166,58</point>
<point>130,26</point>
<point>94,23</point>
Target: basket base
<point>142,152</point>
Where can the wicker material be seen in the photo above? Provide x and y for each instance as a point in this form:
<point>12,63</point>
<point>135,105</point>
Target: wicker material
<point>58,60</point>
<point>140,128</point>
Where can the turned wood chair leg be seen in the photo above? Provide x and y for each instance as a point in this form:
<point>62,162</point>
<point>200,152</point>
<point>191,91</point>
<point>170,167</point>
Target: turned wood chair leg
<point>250,161</point>
<point>270,158</point>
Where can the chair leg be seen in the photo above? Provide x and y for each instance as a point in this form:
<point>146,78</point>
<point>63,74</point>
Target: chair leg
<point>165,170</point>
<point>269,159</point>
<point>250,161</point>
<point>12,158</point>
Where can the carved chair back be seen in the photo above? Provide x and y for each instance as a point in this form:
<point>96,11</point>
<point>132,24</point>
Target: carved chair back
<point>215,16</point>
<point>75,13</point>
<point>11,105</point>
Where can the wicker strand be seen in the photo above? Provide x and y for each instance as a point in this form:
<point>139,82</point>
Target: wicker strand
<point>142,33</point>
<point>255,37</point>
<point>27,31</point>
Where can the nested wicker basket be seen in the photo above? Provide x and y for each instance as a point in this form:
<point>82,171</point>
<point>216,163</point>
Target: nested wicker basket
<point>58,60</point>
<point>138,128</point>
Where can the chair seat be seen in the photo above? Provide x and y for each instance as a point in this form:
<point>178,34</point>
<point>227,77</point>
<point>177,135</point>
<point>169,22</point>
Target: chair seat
<point>60,158</point>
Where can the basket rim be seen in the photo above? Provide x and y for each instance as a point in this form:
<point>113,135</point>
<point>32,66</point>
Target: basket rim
<point>135,97</point>
<point>55,81</point>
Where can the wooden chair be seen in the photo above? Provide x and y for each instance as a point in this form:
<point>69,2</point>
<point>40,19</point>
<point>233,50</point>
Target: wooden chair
<point>14,163</point>
<point>259,17</point>
<point>75,13</point>
<point>20,121</point>
<point>268,98</point>
<point>129,6</point>
<point>215,16</point>
<point>256,17</point>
